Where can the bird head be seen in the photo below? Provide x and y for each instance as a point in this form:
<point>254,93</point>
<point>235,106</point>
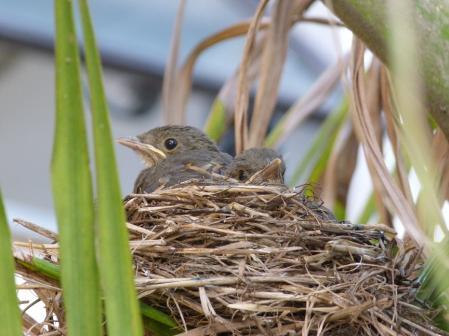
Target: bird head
<point>258,165</point>
<point>159,143</point>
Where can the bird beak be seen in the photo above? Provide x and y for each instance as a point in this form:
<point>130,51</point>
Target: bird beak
<point>150,154</point>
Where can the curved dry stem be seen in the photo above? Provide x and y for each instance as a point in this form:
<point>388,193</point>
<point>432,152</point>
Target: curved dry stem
<point>241,102</point>
<point>273,59</point>
<point>393,197</point>
<point>392,131</point>
<point>169,82</point>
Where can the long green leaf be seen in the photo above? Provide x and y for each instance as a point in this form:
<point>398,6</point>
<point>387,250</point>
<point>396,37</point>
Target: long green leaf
<point>158,328</point>
<point>72,186</point>
<point>117,278</point>
<point>156,315</point>
<point>10,321</point>
<point>216,123</point>
<point>339,211</point>
<point>42,267</point>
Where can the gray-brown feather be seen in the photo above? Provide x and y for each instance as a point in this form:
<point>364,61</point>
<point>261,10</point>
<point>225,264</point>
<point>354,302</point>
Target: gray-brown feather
<point>175,169</point>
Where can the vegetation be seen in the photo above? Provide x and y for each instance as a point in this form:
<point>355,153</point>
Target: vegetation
<point>404,102</point>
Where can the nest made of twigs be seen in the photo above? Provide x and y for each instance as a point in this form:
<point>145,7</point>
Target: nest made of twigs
<point>248,259</point>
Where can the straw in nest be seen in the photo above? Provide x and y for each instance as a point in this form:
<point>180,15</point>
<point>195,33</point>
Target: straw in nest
<point>248,259</point>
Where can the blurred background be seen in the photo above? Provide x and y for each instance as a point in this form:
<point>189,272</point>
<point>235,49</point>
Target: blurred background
<point>134,38</point>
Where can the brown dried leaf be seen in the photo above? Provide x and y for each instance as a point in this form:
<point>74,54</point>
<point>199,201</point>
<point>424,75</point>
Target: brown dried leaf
<point>391,122</point>
<point>169,83</point>
<point>392,196</point>
<point>241,103</point>
<point>373,98</point>
<point>273,59</point>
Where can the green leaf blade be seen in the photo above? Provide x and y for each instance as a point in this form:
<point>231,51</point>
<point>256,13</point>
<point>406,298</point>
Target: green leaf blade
<point>216,124</point>
<point>157,315</point>
<point>10,320</point>
<point>72,186</point>
<point>117,278</point>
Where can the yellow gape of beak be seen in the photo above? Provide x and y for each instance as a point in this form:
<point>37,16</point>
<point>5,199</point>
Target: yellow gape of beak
<point>150,154</point>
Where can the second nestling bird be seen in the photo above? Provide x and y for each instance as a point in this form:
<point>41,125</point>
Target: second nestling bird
<point>169,151</point>
<point>264,165</point>
<point>257,165</point>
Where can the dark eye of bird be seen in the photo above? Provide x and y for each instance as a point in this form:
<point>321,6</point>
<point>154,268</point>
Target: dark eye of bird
<point>170,143</point>
<point>242,175</point>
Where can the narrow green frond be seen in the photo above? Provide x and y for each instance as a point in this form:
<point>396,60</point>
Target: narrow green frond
<point>216,122</point>
<point>159,329</point>
<point>156,315</point>
<point>339,211</point>
<point>10,321</point>
<point>41,266</point>
<point>72,186</point>
<point>117,277</point>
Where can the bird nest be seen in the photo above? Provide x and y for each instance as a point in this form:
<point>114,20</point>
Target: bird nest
<point>264,260</point>
<point>242,259</point>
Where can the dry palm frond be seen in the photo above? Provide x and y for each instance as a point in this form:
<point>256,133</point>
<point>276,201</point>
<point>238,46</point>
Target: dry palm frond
<point>273,59</point>
<point>373,104</point>
<point>243,83</point>
<point>392,131</point>
<point>171,114</point>
<point>391,194</point>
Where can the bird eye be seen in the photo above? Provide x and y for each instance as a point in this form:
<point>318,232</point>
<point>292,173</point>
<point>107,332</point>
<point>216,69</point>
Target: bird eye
<point>242,176</point>
<point>170,143</point>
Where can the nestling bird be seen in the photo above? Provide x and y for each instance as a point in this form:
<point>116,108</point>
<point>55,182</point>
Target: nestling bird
<point>169,152</point>
<point>190,164</point>
<point>264,165</point>
<point>258,165</point>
